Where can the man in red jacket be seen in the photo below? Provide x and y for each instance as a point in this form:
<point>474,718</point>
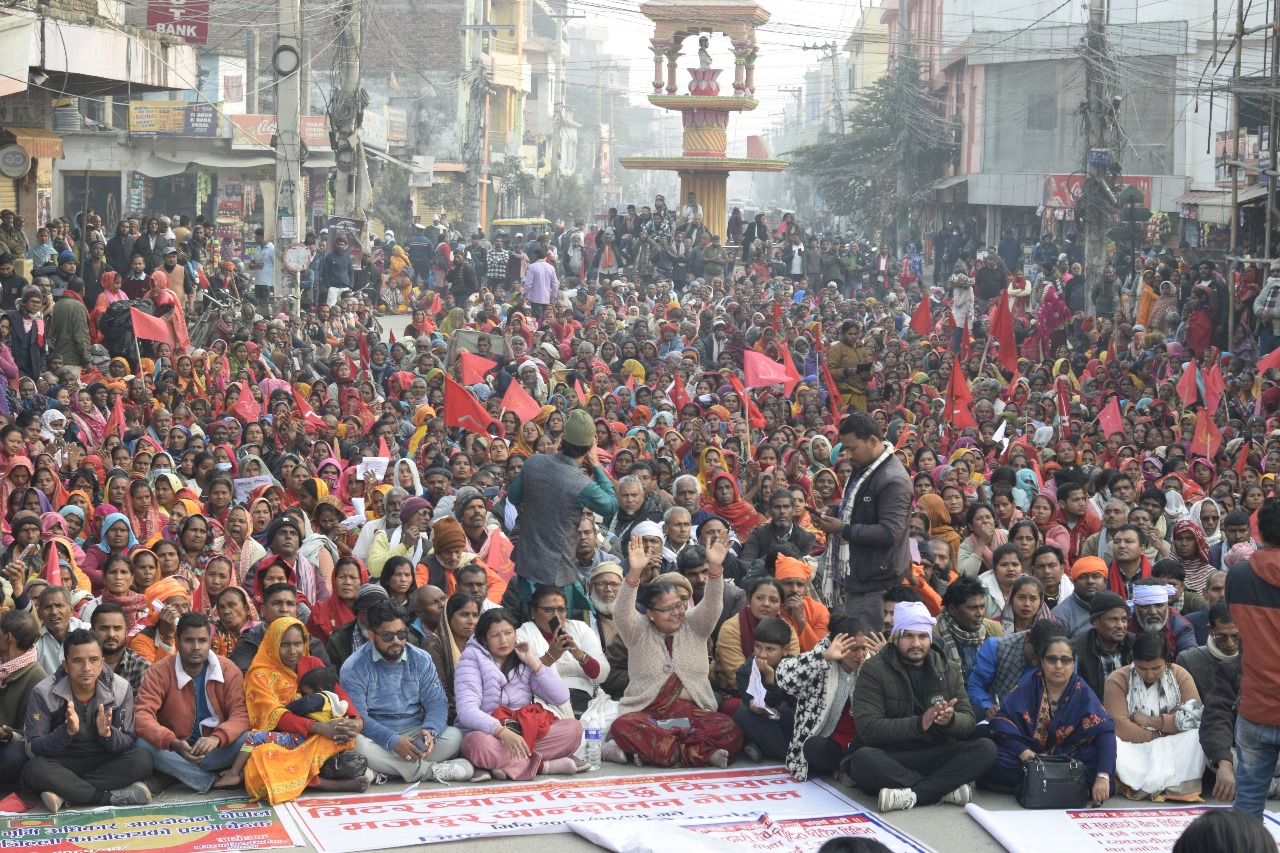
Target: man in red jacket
<point>191,713</point>
<point>1253,594</point>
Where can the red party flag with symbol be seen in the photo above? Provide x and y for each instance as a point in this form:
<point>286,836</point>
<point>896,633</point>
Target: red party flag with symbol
<point>679,396</point>
<point>474,368</point>
<point>1187,387</point>
<point>1002,332</point>
<point>761,371</point>
<point>789,364</point>
<point>247,407</point>
<point>517,400</point>
<point>1206,439</point>
<point>921,319</point>
<point>52,571</point>
<point>308,414</point>
<point>834,399</point>
<point>958,400</point>
<point>462,409</point>
<point>754,419</point>
<point>1214,387</point>
<point>149,328</point>
<point>1109,418</point>
<point>115,423</point>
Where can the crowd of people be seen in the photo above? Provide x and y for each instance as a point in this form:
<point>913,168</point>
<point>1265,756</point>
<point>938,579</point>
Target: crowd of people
<point>750,502</point>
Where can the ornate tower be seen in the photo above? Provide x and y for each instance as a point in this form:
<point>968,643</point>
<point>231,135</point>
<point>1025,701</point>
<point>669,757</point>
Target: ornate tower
<point>703,168</point>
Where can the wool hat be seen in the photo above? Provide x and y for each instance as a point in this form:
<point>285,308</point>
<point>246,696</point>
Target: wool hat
<point>279,523</point>
<point>447,535</point>
<point>675,579</point>
<point>368,595</point>
<point>606,569</point>
<point>410,506</point>
<point>464,496</point>
<point>580,429</point>
<point>66,255</point>
<point>1104,601</point>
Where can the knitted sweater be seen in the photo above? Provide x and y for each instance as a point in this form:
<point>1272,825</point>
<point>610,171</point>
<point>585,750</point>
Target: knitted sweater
<point>647,652</point>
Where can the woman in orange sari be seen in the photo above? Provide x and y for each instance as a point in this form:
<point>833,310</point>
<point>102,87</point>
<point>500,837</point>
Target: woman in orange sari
<point>283,752</point>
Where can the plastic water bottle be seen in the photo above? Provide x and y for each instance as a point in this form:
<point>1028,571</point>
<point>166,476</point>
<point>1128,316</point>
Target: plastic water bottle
<point>593,748</point>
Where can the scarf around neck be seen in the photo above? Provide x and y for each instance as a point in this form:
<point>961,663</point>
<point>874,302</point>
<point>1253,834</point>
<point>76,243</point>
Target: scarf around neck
<point>17,664</point>
<point>951,636</point>
<point>839,556</point>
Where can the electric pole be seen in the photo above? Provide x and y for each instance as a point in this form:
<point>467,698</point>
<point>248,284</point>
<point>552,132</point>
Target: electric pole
<point>346,113</point>
<point>831,49</point>
<point>1097,204</point>
<point>475,149</point>
<point>286,63</point>
<point>558,96</point>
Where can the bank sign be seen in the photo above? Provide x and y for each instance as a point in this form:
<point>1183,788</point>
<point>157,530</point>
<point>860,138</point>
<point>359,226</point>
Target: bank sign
<point>184,19</point>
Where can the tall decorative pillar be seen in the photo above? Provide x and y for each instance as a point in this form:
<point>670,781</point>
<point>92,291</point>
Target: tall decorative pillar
<point>659,52</point>
<point>673,62</point>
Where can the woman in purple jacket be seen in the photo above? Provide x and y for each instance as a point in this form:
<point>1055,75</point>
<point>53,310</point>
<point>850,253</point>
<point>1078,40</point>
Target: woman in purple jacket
<point>494,686</point>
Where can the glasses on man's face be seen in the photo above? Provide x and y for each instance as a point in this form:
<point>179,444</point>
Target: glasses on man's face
<point>678,607</point>
<point>388,636</point>
<point>1225,638</point>
<point>555,611</point>
<point>1056,660</point>
<point>607,585</point>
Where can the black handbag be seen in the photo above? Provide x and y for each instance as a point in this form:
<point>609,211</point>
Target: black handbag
<point>1053,782</point>
<point>347,764</point>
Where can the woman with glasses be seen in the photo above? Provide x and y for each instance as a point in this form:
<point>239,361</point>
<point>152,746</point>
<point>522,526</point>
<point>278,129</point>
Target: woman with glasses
<point>668,713</point>
<point>1053,712</point>
<point>568,646</point>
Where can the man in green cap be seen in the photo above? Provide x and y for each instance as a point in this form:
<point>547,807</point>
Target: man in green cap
<point>551,491</point>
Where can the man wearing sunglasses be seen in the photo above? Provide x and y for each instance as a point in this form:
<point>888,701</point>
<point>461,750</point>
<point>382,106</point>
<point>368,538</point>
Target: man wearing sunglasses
<point>394,686</point>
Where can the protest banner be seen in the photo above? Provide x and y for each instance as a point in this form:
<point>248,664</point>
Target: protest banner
<point>380,821</point>
<point>246,485</point>
<point>1093,830</point>
<point>195,827</point>
<point>793,835</point>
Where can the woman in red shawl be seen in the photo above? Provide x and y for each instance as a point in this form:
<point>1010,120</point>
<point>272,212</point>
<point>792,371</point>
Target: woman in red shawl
<point>724,500</point>
<point>143,512</point>
<point>336,611</point>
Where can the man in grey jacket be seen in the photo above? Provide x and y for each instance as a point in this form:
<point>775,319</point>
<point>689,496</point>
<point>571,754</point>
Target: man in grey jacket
<point>80,735</point>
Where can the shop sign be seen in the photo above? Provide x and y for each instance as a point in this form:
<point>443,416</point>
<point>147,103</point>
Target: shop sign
<point>1064,190</point>
<point>172,118</point>
<point>184,19</point>
<point>250,132</point>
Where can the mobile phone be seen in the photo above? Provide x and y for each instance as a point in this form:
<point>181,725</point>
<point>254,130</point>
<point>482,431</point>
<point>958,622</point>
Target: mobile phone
<point>813,509</point>
<point>419,744</point>
<point>554,625</point>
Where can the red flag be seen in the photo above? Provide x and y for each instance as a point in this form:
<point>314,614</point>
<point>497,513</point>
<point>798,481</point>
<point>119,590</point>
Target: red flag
<point>436,307</point>
<point>1214,387</point>
<point>474,368</point>
<point>383,451</point>
<point>834,398</point>
<point>582,395</point>
<point>308,414</point>
<point>462,409</point>
<point>115,422</point>
<point>1207,438</point>
<point>391,338</point>
<point>149,328</point>
<point>498,559</point>
<point>777,316</point>
<point>1002,332</point>
<point>1242,460</point>
<point>755,420</point>
<point>788,363</point>
<point>1109,418</point>
<point>1269,361</point>
<point>1063,399</point>
<point>921,320</point>
<point>761,371</point>
<point>966,343</point>
<point>1187,387</point>
<point>958,400</point>
<point>247,407</point>
<point>517,400</point>
<point>679,396</point>
<point>365,358</point>
<point>52,571</point>
<point>631,381</point>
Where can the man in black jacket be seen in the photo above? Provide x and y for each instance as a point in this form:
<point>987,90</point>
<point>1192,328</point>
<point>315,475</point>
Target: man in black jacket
<point>781,528</point>
<point>462,280</point>
<point>913,713</point>
<point>11,284</point>
<point>870,548</point>
<point>1106,646</point>
<point>120,248</point>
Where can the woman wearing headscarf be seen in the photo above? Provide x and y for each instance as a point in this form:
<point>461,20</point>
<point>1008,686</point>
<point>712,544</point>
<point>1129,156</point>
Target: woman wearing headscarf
<point>90,422</point>
<point>144,514</point>
<point>284,752</point>
<point>336,611</point>
<point>1212,525</point>
<point>940,526</point>
<point>116,539</point>
<point>1191,549</point>
<point>724,500</point>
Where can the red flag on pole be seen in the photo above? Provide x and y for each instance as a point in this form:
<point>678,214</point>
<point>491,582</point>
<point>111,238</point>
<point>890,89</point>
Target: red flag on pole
<point>52,571</point>
<point>383,450</point>
<point>474,368</point>
<point>754,419</point>
<point>115,423</point>
<point>789,364</point>
<point>1206,439</point>
<point>462,409</point>
<point>921,319</point>
<point>958,400</point>
<point>1109,418</point>
<point>391,337</point>
<point>149,328</point>
<point>582,395</point>
<point>1002,332</point>
<point>366,358</point>
<point>834,399</point>
<point>1214,387</point>
<point>247,407</point>
<point>631,381</point>
<point>436,307</point>
<point>1187,387</point>
<point>517,400</point>
<point>308,414</point>
<point>1063,399</point>
<point>761,371</point>
<point>1242,460</point>
<point>679,396</point>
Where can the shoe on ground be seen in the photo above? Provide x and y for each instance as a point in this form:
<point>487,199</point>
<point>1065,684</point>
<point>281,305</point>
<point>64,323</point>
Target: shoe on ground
<point>52,801</point>
<point>611,752</point>
<point>896,799</point>
<point>454,770</point>
<point>752,752</point>
<point>959,797</point>
<point>136,794</point>
<point>481,776</point>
